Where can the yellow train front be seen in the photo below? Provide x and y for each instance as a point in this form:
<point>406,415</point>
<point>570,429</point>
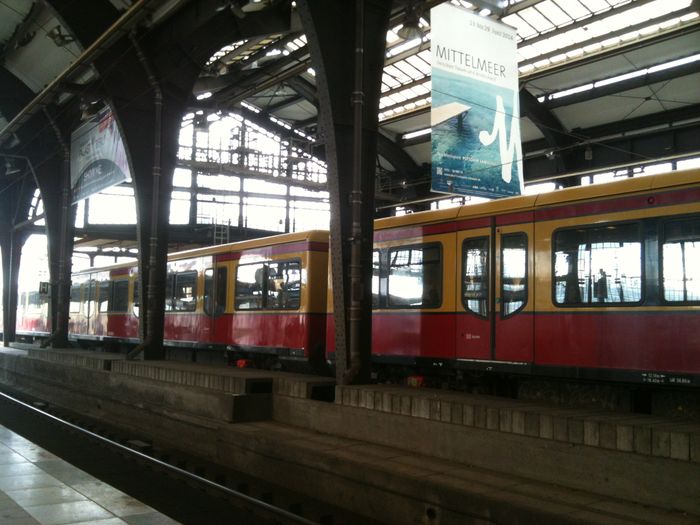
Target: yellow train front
<point>599,282</point>
<point>251,298</point>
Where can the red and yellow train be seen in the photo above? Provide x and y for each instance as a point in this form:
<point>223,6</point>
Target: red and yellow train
<point>599,281</point>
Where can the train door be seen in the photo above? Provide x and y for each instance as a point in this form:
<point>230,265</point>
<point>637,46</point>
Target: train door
<point>89,298</point>
<point>473,294</point>
<point>513,316</point>
<point>215,299</point>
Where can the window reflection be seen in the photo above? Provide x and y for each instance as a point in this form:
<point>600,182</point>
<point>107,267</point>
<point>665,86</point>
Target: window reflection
<point>681,261</point>
<point>598,265</point>
<point>514,273</point>
<point>475,275</point>
<point>415,277</point>
<point>271,285</point>
<point>375,279</point>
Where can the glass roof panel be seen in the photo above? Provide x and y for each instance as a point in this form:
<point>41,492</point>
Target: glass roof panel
<point>419,64</point>
<point>573,8</point>
<point>535,19</point>
<point>596,6</point>
<point>524,29</point>
<point>408,69</point>
<point>553,13</point>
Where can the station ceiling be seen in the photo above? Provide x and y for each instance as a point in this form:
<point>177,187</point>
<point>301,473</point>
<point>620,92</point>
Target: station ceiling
<point>591,72</point>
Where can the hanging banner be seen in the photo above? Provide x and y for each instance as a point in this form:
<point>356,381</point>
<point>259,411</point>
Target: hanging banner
<point>475,112</point>
<point>97,156</point>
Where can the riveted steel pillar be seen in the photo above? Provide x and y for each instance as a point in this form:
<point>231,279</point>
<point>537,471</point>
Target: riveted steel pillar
<point>14,206</point>
<point>54,182</point>
<point>341,33</point>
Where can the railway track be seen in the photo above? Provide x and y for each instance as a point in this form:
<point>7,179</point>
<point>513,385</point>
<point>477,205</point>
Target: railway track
<point>183,487</point>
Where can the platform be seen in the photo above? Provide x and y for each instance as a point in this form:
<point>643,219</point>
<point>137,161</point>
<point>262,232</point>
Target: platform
<point>38,488</point>
<point>399,455</point>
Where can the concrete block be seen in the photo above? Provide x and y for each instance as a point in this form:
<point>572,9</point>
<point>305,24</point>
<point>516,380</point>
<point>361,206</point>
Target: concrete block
<point>575,431</point>
<point>532,424</point>
<point>660,443</point>
<point>396,403</point>
<point>367,399</point>
<point>480,416</point>
<point>435,409</point>
<point>680,445</point>
<point>354,397</point>
<point>642,440</point>
<point>446,411</point>
<point>492,418</point>
<point>560,428</point>
<point>518,422</point>
<point>387,402</point>
<point>338,395</point>
<point>457,413</point>
<point>378,400</point>
<point>346,396</point>
<point>607,435</point>
<point>505,420</point>
<point>468,415</point>
<point>423,407</point>
<point>591,433</point>
<point>695,448</point>
<point>546,426</point>
<point>625,438</point>
<point>406,403</point>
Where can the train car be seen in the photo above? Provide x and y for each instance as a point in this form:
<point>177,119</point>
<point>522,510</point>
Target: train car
<point>599,282</point>
<point>249,298</point>
<point>33,321</point>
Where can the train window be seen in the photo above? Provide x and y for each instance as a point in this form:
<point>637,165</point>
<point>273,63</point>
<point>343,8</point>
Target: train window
<point>120,296</point>
<point>75,298</point>
<point>375,278</point>
<point>249,286</point>
<point>185,292</point>
<point>215,291</point>
<point>513,273</point>
<point>136,299</point>
<point>169,285</point>
<point>33,302</point>
<point>104,292</point>
<point>283,286</point>
<point>681,261</point>
<point>475,275</point>
<point>415,277</point>
<point>595,266</point>
<point>89,297</point>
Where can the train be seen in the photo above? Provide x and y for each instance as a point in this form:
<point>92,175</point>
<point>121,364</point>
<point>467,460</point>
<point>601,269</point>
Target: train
<point>598,282</point>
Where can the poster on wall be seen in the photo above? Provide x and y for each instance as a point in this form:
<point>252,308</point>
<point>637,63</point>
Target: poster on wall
<point>475,124</point>
<point>97,156</point>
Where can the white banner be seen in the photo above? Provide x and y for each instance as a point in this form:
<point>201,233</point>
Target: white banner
<point>97,156</point>
<point>475,115</point>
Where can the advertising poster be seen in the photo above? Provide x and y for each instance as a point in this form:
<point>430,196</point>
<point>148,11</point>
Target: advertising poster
<point>97,156</point>
<point>476,148</point>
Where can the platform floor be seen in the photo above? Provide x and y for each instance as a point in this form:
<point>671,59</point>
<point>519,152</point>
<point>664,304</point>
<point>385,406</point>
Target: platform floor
<point>38,488</point>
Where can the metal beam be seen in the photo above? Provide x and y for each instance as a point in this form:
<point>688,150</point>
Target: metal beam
<point>604,55</point>
<point>625,85</point>
<point>635,125</point>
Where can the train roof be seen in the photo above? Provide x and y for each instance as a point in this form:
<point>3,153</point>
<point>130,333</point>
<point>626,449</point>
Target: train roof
<point>284,238</point>
<point>558,197</point>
